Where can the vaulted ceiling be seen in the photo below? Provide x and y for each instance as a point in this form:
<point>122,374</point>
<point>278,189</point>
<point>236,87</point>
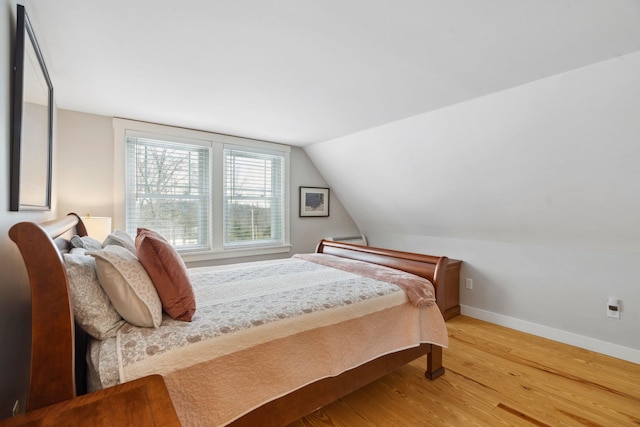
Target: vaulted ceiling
<point>302,71</point>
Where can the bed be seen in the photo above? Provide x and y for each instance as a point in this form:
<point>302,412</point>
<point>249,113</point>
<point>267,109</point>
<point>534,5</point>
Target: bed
<point>229,387</point>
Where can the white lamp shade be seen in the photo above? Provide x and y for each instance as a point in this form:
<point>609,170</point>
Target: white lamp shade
<point>98,227</point>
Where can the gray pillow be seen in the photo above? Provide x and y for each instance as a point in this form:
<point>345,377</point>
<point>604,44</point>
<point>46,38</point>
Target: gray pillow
<point>85,242</point>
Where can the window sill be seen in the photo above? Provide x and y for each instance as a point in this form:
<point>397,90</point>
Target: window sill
<point>233,253</point>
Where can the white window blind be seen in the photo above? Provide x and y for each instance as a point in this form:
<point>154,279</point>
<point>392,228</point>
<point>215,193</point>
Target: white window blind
<point>254,183</point>
<point>168,190</point>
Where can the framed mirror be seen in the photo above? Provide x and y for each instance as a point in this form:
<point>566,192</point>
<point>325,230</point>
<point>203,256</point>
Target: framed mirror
<point>32,124</point>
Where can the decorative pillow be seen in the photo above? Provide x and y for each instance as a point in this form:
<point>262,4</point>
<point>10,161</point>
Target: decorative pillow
<point>85,242</point>
<point>128,285</point>
<point>91,306</point>
<point>168,273</point>
<point>120,238</point>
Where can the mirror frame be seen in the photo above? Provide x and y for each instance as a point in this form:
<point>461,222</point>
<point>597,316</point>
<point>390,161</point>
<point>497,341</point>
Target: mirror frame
<point>20,159</point>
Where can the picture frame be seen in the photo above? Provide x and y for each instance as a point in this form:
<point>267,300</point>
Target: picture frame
<point>314,201</point>
<point>32,124</point>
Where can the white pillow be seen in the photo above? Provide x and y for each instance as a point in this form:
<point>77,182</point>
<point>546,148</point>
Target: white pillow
<point>120,238</point>
<point>91,306</point>
<point>128,285</point>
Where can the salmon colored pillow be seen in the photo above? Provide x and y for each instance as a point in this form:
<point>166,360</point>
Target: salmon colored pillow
<point>168,273</point>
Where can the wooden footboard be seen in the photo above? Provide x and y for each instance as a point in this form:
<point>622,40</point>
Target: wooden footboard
<point>430,267</point>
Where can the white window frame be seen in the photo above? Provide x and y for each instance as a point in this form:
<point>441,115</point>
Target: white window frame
<point>123,127</point>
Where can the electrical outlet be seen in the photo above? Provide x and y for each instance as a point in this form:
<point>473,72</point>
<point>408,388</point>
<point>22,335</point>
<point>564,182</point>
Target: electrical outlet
<point>16,406</point>
<point>468,283</point>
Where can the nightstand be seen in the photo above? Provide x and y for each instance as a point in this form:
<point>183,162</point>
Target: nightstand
<point>141,403</point>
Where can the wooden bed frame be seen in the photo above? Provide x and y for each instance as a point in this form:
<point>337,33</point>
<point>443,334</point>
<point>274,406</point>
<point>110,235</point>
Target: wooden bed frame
<point>58,366</point>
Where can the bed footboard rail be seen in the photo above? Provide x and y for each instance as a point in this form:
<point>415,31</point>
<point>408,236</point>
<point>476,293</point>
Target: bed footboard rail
<point>428,266</point>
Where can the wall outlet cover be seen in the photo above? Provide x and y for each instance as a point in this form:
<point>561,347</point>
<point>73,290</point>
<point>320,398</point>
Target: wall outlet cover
<point>613,308</point>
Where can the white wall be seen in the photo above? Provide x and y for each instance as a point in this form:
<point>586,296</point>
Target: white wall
<point>534,188</point>
<point>85,164</point>
<point>86,176</point>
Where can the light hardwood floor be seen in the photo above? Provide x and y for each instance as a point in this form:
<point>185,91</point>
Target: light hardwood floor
<point>496,377</point>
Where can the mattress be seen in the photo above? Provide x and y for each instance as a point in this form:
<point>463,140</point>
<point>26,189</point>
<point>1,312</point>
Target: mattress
<point>264,329</point>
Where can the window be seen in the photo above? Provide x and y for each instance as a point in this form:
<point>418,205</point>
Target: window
<point>253,197</point>
<point>210,195</point>
<point>168,190</point>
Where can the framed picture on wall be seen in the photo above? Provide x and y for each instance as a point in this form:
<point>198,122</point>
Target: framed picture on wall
<point>314,201</point>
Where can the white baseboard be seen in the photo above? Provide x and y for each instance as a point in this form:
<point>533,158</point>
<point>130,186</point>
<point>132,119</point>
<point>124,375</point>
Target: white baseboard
<point>613,350</point>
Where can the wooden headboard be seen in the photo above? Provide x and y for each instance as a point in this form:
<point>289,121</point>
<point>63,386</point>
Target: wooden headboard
<point>53,346</point>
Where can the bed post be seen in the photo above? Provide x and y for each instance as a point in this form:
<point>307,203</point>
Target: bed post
<point>434,363</point>
<point>438,283</point>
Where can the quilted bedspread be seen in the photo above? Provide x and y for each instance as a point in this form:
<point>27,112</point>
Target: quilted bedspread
<point>264,329</point>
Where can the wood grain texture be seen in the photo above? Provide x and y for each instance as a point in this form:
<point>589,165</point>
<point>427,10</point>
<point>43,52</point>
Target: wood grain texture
<point>430,267</point>
<point>452,289</point>
<point>496,377</point>
<point>144,402</point>
<point>52,374</point>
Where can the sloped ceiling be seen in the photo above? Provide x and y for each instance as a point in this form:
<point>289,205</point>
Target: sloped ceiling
<point>553,162</point>
<point>302,71</point>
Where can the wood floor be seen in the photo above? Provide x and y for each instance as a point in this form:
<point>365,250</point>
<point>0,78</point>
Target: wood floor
<point>496,377</point>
